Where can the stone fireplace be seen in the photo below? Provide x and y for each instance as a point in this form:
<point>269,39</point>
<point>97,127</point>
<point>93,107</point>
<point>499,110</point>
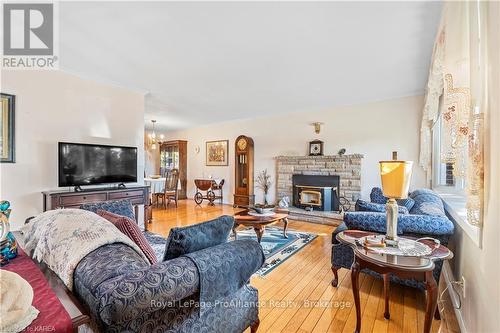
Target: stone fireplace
<point>346,168</point>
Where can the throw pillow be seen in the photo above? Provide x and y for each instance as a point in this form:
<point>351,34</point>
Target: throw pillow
<point>132,231</point>
<point>197,237</point>
<point>364,206</point>
<point>119,207</point>
<point>427,202</point>
<point>408,203</point>
<point>377,196</point>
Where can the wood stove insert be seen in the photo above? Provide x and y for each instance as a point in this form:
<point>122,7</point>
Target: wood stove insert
<point>316,192</point>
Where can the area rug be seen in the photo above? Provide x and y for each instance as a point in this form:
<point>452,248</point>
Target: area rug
<point>276,248</point>
<point>157,242</point>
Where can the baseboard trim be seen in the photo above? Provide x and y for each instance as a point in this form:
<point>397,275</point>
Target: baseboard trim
<point>448,277</point>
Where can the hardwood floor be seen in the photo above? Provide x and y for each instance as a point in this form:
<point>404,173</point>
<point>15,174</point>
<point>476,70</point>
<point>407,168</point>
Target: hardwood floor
<point>297,296</point>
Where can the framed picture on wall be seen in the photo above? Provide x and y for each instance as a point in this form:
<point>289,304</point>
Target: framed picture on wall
<point>7,137</point>
<point>217,153</point>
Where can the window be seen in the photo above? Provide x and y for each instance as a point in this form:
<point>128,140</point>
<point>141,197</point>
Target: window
<point>443,173</point>
<point>453,119</point>
<point>451,188</point>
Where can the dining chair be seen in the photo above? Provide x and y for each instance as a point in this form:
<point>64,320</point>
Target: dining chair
<point>171,188</point>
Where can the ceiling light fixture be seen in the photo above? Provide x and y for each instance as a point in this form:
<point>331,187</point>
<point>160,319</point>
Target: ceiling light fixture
<point>153,142</point>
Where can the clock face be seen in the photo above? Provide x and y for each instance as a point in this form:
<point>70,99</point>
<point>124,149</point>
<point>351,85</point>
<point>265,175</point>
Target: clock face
<point>316,148</point>
<point>242,144</point>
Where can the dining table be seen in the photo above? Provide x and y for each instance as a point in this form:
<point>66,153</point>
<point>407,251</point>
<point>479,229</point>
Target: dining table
<point>157,185</point>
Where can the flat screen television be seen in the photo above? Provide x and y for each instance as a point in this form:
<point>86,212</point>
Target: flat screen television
<point>87,164</point>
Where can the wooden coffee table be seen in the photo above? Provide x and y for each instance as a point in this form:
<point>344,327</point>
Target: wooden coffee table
<point>418,268</point>
<point>259,223</point>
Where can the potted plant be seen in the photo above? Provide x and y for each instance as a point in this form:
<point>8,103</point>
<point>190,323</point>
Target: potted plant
<point>264,182</point>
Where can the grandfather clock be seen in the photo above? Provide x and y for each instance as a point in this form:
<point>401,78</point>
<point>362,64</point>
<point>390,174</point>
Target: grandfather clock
<point>243,165</point>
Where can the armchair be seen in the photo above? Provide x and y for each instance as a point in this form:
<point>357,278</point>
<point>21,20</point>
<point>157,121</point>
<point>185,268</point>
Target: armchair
<point>426,218</point>
<point>125,294</point>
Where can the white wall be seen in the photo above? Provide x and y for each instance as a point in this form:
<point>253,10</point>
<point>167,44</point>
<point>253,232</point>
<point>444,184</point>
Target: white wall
<point>481,266</point>
<point>374,129</point>
<point>53,106</point>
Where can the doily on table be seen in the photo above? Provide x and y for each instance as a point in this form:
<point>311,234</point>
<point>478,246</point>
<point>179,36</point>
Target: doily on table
<point>406,247</point>
<point>262,215</point>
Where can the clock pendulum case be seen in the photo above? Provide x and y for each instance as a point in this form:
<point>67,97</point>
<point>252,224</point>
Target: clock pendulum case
<point>243,170</point>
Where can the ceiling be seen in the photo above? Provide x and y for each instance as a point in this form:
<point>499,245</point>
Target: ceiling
<point>203,62</point>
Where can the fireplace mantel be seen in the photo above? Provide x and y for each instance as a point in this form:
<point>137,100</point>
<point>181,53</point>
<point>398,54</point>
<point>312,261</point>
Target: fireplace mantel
<point>319,158</point>
<point>347,167</point>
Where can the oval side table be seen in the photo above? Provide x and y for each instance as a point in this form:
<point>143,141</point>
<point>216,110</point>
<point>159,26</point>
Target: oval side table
<point>405,267</point>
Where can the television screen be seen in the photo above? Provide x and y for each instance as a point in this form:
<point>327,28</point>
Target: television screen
<point>85,164</point>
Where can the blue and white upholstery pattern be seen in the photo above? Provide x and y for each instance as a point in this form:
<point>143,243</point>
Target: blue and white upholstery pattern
<point>233,315</point>
<point>199,236</point>
<point>365,206</point>
<point>119,207</point>
<point>127,295</point>
<point>427,202</point>
<point>377,196</point>
<point>408,223</point>
<point>226,268</point>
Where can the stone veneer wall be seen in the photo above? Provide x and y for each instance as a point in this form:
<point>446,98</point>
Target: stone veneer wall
<point>348,167</point>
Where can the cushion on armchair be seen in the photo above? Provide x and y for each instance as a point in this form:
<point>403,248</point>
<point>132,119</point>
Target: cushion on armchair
<point>377,196</point>
<point>427,202</point>
<point>432,225</point>
<point>407,223</point>
<point>225,268</point>
<point>369,221</point>
<point>120,207</point>
<point>129,228</point>
<point>365,206</point>
<point>197,237</point>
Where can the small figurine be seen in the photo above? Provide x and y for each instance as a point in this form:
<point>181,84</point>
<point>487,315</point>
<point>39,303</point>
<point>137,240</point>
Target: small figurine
<point>8,244</point>
<point>4,219</point>
<point>341,152</point>
<point>284,202</point>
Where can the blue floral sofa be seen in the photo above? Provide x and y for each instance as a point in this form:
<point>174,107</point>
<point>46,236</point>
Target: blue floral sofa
<point>125,294</point>
<point>421,215</point>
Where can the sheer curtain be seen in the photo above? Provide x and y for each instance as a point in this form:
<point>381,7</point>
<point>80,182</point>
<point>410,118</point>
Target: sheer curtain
<point>456,89</point>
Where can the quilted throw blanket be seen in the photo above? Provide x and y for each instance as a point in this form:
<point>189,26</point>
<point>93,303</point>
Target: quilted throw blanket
<point>61,238</point>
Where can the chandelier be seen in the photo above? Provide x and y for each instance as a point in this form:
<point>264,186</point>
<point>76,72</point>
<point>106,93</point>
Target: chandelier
<point>153,140</point>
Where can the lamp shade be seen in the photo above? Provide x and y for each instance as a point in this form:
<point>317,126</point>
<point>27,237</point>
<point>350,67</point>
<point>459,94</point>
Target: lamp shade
<point>396,176</point>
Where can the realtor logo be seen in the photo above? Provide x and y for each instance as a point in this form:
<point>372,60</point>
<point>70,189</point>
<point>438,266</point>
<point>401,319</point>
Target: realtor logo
<point>28,29</point>
<point>30,36</point>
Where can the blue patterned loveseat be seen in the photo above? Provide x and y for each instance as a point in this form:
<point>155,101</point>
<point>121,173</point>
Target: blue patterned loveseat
<point>421,215</point>
<point>126,294</point>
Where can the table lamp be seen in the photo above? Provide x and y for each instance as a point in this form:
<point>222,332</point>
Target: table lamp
<point>396,177</point>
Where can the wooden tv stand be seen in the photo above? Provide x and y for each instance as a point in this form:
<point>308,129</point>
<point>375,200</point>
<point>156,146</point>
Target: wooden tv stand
<point>137,194</point>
